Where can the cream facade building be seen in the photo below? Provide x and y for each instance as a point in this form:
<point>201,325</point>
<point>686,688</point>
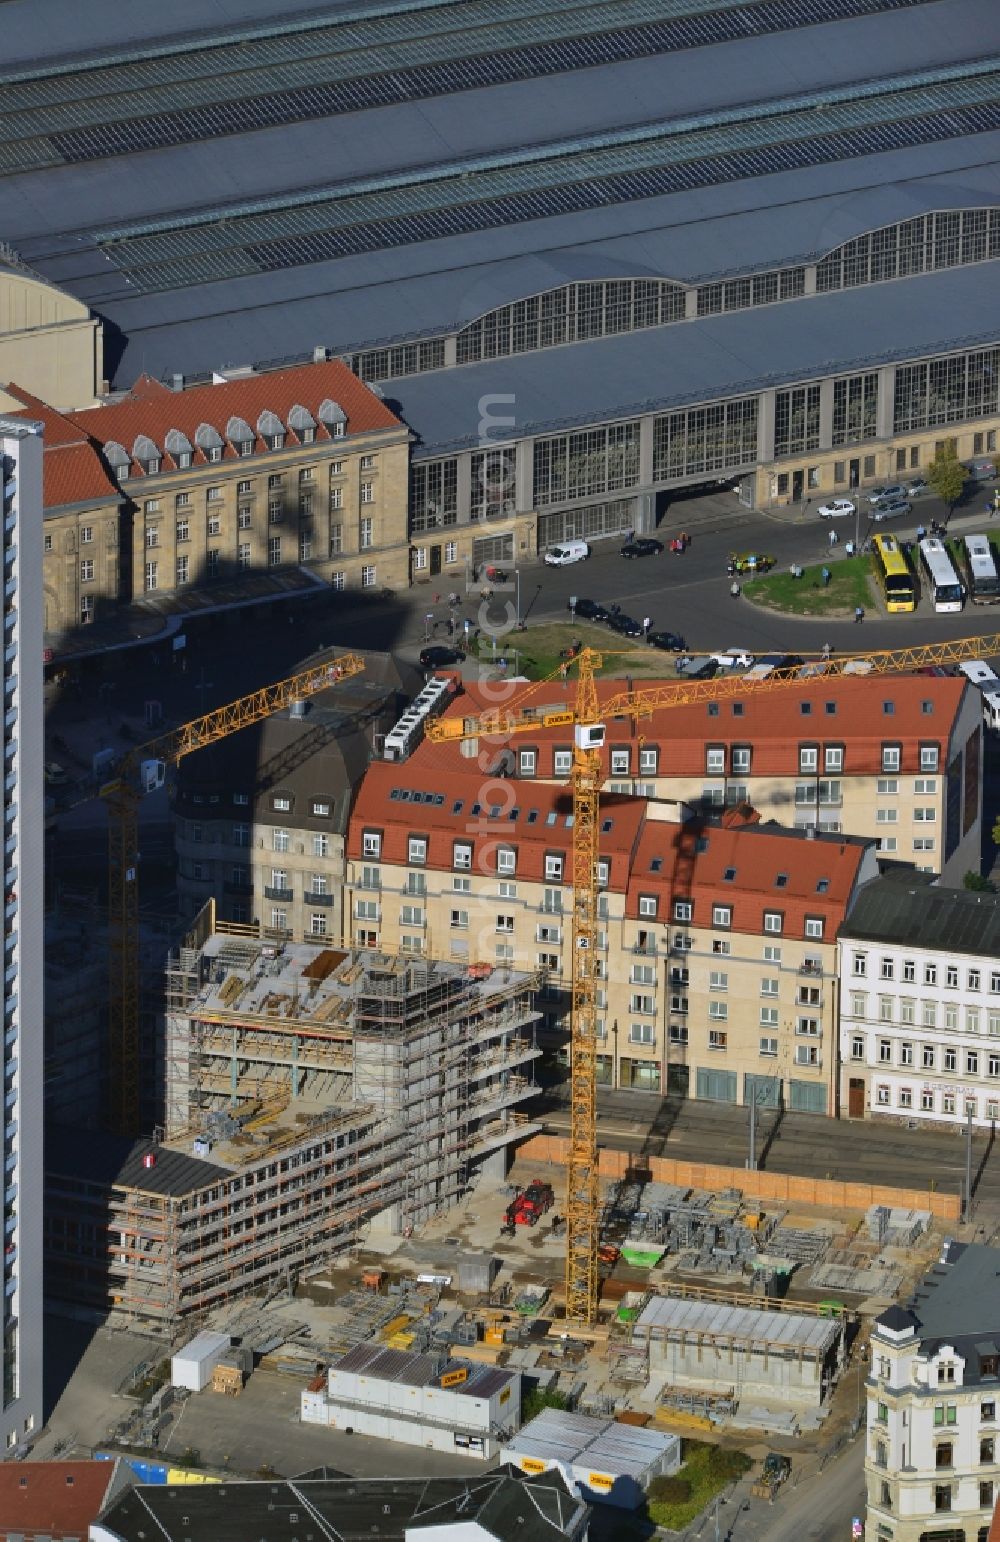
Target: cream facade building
<point>932,1398</point>
<point>718,940</point>
<point>50,344</point>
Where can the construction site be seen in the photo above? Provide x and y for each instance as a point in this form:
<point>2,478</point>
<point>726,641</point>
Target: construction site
<point>314,1097</point>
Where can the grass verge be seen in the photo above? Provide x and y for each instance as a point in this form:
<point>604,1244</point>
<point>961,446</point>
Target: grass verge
<point>849,586</point>
<point>705,1470</point>
<point>535,653</point>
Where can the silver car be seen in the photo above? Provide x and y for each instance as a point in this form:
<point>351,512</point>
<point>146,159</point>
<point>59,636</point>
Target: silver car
<point>893,508</point>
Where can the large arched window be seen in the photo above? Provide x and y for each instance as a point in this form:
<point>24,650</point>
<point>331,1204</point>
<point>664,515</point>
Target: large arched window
<point>945,239</point>
<point>571,315</point>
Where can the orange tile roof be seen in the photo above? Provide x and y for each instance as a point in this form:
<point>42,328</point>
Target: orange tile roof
<point>543,820</point>
<point>54,1499</point>
<point>72,468</point>
<point>848,710</point>
<point>153,409</point>
<point>753,868</point>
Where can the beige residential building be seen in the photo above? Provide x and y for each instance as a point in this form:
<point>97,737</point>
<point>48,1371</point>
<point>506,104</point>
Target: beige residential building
<point>50,344</point>
<point>718,940</point>
<point>248,480</point>
<point>897,761</point>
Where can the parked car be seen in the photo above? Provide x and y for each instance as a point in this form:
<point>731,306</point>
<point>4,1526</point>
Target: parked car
<point>887,494</point>
<point>734,658</point>
<point>589,610</point>
<point>669,642</point>
<point>914,486</point>
<point>837,508</point>
<point>439,655</point>
<point>566,552</point>
<point>698,668</point>
<point>624,625</point>
<point>642,546</point>
<point>892,508</point>
<point>750,562</point>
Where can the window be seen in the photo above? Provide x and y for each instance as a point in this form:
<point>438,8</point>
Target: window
<point>451,551</point>
<point>859,964</point>
<point>715,760</point>
<point>769,1017</point>
<point>274,551</point>
<point>859,1004</point>
<point>718,980</point>
<point>944,1454</point>
<point>182,566</point>
<point>988,1412</point>
<point>307,474</point>
<point>647,904</point>
<point>464,886</point>
<point>722,915</point>
<point>562,762</point>
<point>833,757</point>
<point>928,1057</point>
<point>366,910</point>
<point>649,758</point>
<point>151,577</point>
<point>769,985</point>
<point>719,1010</point>
<point>807,1054</point>
<point>416,848</point>
<point>366,534</point>
<point>214,524</point>
<point>528,762</point>
<point>814,926</point>
<point>152,536</point>
<point>462,855</point>
<point>678,1033</point>
<point>336,498</point>
<point>768,1046</point>
<point>642,1033</point>
<point>87,608</point>
<point>553,867</point>
<point>619,763</point>
<point>244,517</point>
<point>930,974</point>
<point>506,860</point>
<point>87,570</point>
<point>771,953</point>
<point>808,757</point>
<point>906,1054</point>
<point>925,815</point>
<point>973,980</point>
<point>683,910</point>
<point>243,554</point>
<point>885,1051</point>
<point>459,920</point>
<point>368,578</point>
<point>717,1039</point>
<point>882,1095</point>
<point>371,843</point>
<point>891,757</point>
<point>505,923</point>
<point>929,757</point>
<point>857,1046</point>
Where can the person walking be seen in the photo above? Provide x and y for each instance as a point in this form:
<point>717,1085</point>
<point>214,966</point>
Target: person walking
<point>859,614</point>
<point>734,590</point>
<point>827,650</point>
<point>834,538</point>
<point>826,575</point>
<point>646,624</point>
<point>921,532</point>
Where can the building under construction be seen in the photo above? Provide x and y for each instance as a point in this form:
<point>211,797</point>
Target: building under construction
<point>312,1094</point>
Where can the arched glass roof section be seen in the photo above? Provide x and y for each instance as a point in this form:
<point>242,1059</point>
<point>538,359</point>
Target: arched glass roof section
<point>116,455</point>
<point>949,238</point>
<point>333,415</point>
<point>144,450</point>
<point>571,314</point>
<point>269,424</point>
<point>177,443</point>
<point>238,431</point>
<point>300,417</point>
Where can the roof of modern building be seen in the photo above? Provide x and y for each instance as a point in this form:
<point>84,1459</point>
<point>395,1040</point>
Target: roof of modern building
<point>710,1320</point>
<point>957,1303</point>
<point>113,1161</point>
<point>377,1363</point>
<point>506,1506</point>
<point>852,710</point>
<point>53,1499</point>
<point>717,356</point>
<point>97,156</point>
<point>602,1445</point>
<point>900,913</point>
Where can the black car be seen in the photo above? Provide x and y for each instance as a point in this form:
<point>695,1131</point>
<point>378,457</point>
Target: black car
<point>668,641</point>
<point>624,625</point>
<point>642,546</point>
<point>589,610</point>
<point>439,655</point>
<point>782,663</point>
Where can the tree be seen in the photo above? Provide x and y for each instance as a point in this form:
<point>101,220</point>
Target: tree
<point>946,475</point>
<point>996,833</point>
<point>536,1399</point>
<point>978,883</point>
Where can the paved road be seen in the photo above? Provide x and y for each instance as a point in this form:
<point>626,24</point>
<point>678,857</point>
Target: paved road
<point>794,1143</point>
<point>816,1504</point>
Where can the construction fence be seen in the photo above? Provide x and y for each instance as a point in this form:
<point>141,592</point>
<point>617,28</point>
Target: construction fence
<point>783,1188</point>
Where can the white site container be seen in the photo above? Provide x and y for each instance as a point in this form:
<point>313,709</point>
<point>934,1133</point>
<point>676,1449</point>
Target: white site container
<point>193,1365</point>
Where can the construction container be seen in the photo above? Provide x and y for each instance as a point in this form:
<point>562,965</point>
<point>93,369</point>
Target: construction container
<point>613,1463</point>
<point>227,1378</point>
<point>193,1365</point>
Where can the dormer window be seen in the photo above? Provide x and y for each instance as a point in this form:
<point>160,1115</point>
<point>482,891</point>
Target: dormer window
<point>276,441</point>
<point>308,435</point>
<point>271,429</point>
<point>147,454</point>
<point>244,447</point>
<point>183,459</point>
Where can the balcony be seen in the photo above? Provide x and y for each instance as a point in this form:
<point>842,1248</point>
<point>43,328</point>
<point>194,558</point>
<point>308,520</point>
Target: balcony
<point>320,898</point>
<point>284,895</point>
<point>811,971</point>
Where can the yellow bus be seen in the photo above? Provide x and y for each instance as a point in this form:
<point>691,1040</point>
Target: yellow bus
<point>896,578</point>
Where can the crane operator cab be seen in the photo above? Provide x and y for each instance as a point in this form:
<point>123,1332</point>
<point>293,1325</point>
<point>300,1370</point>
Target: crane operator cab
<point>589,736</point>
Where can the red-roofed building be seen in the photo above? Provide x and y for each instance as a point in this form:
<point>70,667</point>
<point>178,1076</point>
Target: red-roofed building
<point>897,760</point>
<point>718,940</point>
<point>163,491</point>
<point>56,1501</point>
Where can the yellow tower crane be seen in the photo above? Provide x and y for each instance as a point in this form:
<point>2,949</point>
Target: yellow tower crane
<point>584,714</point>
<point>141,771</point>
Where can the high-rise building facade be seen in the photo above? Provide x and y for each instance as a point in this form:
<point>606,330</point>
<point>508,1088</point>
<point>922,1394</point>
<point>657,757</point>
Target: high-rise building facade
<point>23,833</point>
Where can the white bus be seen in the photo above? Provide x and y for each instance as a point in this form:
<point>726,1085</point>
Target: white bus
<point>981,569</point>
<point>944,587</point>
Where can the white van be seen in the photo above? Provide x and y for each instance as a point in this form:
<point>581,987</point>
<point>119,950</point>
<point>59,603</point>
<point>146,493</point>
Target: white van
<point>569,551</point>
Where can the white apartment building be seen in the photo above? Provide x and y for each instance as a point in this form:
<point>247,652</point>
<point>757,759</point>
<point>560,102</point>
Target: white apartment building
<point>933,1391</point>
<point>919,970</point>
<point>24,820</point>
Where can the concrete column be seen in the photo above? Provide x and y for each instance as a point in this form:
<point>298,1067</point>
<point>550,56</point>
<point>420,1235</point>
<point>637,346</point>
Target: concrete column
<point>524,476</point>
<point>451,351</point>
<point>765,428</point>
<point>810,281</point>
<point>886,398</point>
<point>691,303</point>
<point>646,451</point>
<point>463,492</point>
<point>826,415</point>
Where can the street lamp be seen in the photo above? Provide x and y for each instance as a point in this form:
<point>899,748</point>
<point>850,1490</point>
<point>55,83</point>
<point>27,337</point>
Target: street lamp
<point>614,1055</point>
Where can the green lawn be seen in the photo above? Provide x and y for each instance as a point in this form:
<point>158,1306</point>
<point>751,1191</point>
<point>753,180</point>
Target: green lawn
<point>706,1469</point>
<point>849,586</point>
<point>538,650</point>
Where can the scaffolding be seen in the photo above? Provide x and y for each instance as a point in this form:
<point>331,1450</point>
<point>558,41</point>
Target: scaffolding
<point>311,1093</point>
